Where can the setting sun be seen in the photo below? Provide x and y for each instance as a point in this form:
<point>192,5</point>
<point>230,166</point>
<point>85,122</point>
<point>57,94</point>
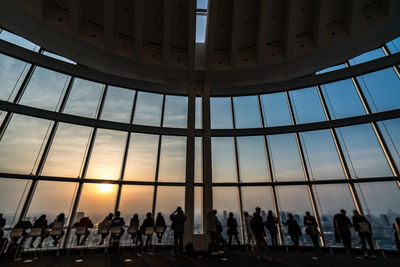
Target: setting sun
<point>105,188</point>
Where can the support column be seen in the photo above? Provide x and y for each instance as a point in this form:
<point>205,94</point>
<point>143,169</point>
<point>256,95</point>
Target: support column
<point>190,150</point>
<point>207,168</point>
<point>305,170</point>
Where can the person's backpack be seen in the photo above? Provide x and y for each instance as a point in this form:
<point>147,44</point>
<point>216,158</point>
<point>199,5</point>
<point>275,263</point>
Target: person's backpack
<point>364,227</point>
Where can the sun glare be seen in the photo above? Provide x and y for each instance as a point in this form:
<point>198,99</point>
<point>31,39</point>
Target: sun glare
<point>105,188</point>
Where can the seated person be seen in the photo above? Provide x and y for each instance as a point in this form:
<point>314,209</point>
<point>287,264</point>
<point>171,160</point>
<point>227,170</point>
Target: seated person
<point>118,222</point>
<point>148,222</point>
<point>57,225</point>
<point>104,227</point>
<point>86,223</point>
<point>160,224</point>
<point>40,223</point>
<point>135,223</point>
<point>24,225</point>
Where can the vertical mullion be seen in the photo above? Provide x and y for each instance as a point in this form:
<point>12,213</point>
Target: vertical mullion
<point>271,175</point>
<point>305,170</point>
<point>339,150</point>
<point>128,139</point>
<point>158,158</point>
<point>376,129</point>
<point>43,157</point>
<point>85,167</point>
<point>237,172</point>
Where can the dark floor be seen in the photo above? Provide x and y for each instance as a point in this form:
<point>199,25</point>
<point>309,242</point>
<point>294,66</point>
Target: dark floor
<point>231,259</point>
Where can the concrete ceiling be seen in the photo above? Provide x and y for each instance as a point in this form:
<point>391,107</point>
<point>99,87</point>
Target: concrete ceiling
<point>247,41</point>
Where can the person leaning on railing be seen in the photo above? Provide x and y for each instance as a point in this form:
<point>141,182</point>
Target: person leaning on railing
<point>82,229</point>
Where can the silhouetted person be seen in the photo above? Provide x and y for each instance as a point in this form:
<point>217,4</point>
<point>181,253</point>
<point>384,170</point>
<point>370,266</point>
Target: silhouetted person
<point>396,227</point>
<point>270,224</point>
<point>58,224</point>
<point>342,226</point>
<point>148,222</point>
<point>220,239</point>
<point>85,223</point>
<point>39,223</point>
<point>293,230</point>
<point>24,225</point>
<point>231,223</point>
<point>178,219</point>
<point>259,233</point>
<point>2,224</point>
<point>249,231</point>
<point>135,223</point>
<point>105,225</point>
<point>312,230</point>
<point>364,230</point>
<point>160,224</point>
<point>118,222</point>
<point>212,226</point>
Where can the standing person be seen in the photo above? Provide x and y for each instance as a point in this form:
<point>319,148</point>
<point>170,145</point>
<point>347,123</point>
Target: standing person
<point>58,224</point>
<point>364,230</point>
<point>105,226</point>
<point>270,224</point>
<point>178,219</point>
<point>294,230</point>
<point>118,222</point>
<point>312,230</point>
<point>396,227</point>
<point>148,222</point>
<point>212,226</point>
<point>2,224</point>
<point>40,223</point>
<point>231,223</point>
<point>342,226</point>
<point>249,231</point>
<point>160,224</point>
<point>135,224</point>
<point>259,233</point>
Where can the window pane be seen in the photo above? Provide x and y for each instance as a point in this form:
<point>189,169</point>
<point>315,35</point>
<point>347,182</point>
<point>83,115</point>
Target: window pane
<point>198,160</point>
<point>225,200</point>
<point>382,89</point>
<point>390,130</point>
<point>52,198</point>
<point>223,160</point>
<point>362,151</point>
<point>221,113</point>
<point>394,45</point>
<point>368,56</point>
<point>12,74</point>
<point>275,110</point>
<point>148,109</point>
<point>252,159</point>
<point>97,200</point>
<point>168,199</point>
<point>45,89</point>
<point>321,155</point>
<point>198,118</point>
<point>337,67</point>
<point>12,197</point>
<point>295,200</point>
<point>49,54</point>
<point>342,99</point>
<point>175,114</point>
<point>382,213</point>
<point>330,200</point>
<point>142,157</point>
<point>108,151</point>
<point>172,159</point>
<point>17,40</point>
<point>201,22</point>
<point>307,105</point>
<point>20,145</point>
<point>202,4</point>
<point>247,113</point>
<point>118,104</point>
<point>136,199</point>
<point>67,151</point>
<point>198,210</point>
<point>257,196</point>
<point>285,157</point>
<point>84,98</point>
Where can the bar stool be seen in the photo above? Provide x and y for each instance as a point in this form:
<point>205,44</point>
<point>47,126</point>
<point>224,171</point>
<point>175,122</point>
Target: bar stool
<point>35,233</point>
<point>148,232</point>
<point>160,230</point>
<point>133,231</point>
<point>80,231</point>
<point>15,235</point>
<point>56,230</point>
<point>115,231</point>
